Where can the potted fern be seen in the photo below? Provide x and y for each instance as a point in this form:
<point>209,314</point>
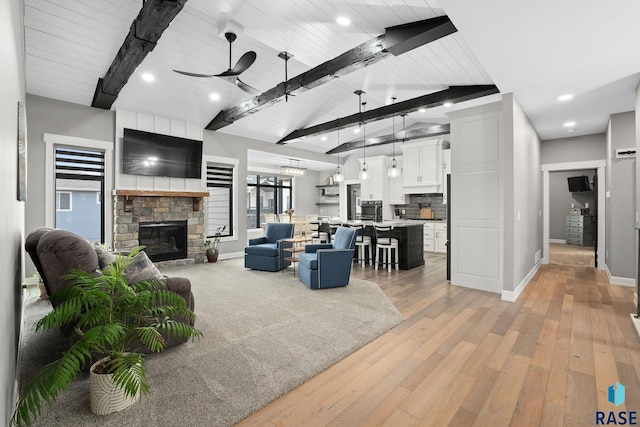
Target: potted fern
<point>111,319</point>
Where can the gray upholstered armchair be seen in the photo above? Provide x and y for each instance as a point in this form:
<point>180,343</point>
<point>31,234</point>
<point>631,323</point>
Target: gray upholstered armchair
<point>328,265</point>
<point>57,252</point>
<point>265,253</point>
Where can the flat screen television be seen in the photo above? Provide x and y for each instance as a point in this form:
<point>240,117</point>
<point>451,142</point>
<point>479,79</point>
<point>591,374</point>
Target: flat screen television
<point>153,154</point>
<point>578,184</point>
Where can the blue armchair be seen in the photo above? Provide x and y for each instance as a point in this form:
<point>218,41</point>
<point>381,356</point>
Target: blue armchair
<point>328,265</point>
<point>264,253</point>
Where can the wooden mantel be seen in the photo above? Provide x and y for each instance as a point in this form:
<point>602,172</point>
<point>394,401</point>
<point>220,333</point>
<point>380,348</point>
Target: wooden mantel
<point>130,194</point>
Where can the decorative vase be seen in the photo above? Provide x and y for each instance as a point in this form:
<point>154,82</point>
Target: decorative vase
<point>212,255</point>
<point>105,396</point>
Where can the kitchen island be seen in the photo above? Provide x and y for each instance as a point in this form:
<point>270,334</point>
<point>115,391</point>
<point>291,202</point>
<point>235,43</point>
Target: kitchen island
<point>409,235</point>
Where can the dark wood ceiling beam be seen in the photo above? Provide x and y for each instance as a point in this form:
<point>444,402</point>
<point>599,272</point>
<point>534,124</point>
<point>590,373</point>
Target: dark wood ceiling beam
<point>453,94</point>
<point>145,31</point>
<point>395,41</point>
<point>424,132</point>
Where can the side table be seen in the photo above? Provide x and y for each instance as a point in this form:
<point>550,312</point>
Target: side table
<point>297,246</point>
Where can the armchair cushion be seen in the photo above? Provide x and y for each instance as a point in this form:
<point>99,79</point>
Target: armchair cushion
<point>105,257</point>
<point>309,260</point>
<point>344,238</point>
<point>264,249</point>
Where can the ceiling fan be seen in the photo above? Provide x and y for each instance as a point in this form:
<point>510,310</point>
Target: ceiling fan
<point>231,75</point>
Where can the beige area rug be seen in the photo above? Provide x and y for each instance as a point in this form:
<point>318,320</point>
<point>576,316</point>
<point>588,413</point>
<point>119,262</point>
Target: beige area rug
<point>264,334</point>
<point>578,256</point>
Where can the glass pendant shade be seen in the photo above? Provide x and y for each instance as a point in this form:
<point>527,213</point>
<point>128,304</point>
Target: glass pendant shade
<point>338,176</point>
<point>364,173</point>
<point>393,171</point>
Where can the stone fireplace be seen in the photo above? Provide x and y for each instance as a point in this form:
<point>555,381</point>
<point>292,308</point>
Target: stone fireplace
<point>162,210</point>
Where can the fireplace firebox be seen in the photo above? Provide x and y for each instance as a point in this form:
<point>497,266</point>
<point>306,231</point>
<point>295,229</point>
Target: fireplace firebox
<point>164,240</point>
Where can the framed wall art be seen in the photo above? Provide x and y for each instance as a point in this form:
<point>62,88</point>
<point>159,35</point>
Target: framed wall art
<point>22,152</point>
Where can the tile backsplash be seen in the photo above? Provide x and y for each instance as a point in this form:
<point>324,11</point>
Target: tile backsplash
<point>416,201</point>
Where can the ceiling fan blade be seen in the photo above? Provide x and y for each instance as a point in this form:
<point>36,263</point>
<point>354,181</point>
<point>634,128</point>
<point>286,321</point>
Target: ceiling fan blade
<point>245,87</point>
<point>244,62</point>
<point>186,73</point>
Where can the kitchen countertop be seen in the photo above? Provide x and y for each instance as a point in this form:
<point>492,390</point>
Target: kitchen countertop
<point>398,222</point>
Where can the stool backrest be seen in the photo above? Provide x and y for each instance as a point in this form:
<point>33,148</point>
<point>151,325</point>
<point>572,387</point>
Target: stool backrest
<point>383,232</point>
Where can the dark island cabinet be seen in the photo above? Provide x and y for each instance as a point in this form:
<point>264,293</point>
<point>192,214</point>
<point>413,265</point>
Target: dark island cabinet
<point>410,242</point>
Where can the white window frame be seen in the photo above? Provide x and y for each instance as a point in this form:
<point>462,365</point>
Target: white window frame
<point>58,209</point>
<point>234,197</point>
<point>52,141</point>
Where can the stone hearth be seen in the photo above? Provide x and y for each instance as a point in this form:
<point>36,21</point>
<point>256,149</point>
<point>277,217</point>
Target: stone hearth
<point>131,209</point>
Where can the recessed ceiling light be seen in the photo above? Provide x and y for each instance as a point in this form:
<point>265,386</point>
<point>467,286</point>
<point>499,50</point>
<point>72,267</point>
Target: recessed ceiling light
<point>570,130</point>
<point>566,97</point>
<point>422,110</point>
<point>343,20</point>
<point>324,138</point>
<point>357,130</point>
<point>569,124</point>
<point>148,77</point>
<point>448,104</point>
<point>214,96</point>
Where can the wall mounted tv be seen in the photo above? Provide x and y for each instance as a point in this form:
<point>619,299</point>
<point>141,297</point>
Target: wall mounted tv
<point>578,184</point>
<point>152,154</point>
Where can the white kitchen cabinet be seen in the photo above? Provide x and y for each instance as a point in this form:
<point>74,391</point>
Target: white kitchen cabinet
<point>435,237</point>
<point>396,189</point>
<point>423,166</point>
<point>440,238</point>
<point>376,186</point>
<point>428,240</point>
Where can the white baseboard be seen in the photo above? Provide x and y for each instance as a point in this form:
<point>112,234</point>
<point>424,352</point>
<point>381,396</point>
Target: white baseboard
<point>231,255</point>
<point>512,296</point>
<point>636,322</point>
<point>562,241</point>
<point>620,281</point>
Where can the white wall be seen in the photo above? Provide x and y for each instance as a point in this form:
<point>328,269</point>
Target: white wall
<point>527,196</point>
<point>620,203</point>
<point>12,72</point>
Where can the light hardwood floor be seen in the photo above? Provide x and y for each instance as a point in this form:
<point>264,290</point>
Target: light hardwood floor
<point>465,358</point>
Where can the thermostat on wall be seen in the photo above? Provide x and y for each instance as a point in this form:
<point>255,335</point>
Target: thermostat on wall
<point>623,153</point>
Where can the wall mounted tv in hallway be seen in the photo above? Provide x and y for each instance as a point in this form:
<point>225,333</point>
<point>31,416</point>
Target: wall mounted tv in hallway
<point>153,154</point>
<point>578,184</point>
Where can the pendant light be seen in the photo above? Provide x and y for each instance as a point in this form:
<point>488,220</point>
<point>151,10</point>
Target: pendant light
<point>338,176</point>
<point>364,173</point>
<point>393,171</point>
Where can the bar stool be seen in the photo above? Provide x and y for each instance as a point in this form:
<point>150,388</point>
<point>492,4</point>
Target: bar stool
<point>333,227</point>
<point>317,236</point>
<point>386,244</point>
<point>362,244</point>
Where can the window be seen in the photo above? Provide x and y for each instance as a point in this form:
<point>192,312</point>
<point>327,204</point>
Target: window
<point>80,173</point>
<point>219,179</point>
<point>63,201</point>
<point>266,194</point>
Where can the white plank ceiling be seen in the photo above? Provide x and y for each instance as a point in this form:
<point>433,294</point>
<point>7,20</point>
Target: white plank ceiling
<point>71,43</point>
